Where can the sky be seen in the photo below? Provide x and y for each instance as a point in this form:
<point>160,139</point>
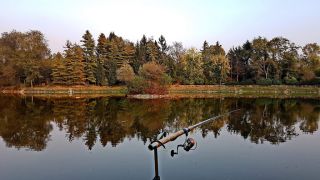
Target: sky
<point>231,22</point>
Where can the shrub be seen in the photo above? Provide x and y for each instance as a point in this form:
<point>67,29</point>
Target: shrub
<point>152,71</point>
<point>314,81</point>
<point>317,72</point>
<point>152,79</point>
<point>276,82</point>
<point>247,82</point>
<point>264,82</point>
<point>290,80</point>
<point>137,85</point>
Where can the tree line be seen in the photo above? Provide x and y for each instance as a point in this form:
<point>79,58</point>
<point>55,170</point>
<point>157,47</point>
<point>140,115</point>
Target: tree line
<point>25,59</point>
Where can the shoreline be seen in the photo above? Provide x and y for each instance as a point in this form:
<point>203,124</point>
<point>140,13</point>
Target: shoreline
<point>276,91</point>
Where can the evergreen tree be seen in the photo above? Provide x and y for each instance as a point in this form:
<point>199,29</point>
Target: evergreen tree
<point>163,44</point>
<point>118,52</point>
<point>163,57</point>
<point>90,63</point>
<point>78,66</point>
<point>101,51</point>
<point>205,46</point>
<point>140,56</point>
<point>74,64</point>
<point>59,73</point>
<point>152,51</point>
<point>112,54</point>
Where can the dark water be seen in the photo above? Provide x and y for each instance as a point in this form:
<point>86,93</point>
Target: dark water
<point>107,138</point>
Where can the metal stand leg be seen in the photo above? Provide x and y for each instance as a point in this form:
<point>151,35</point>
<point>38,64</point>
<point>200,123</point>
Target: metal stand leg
<point>156,177</point>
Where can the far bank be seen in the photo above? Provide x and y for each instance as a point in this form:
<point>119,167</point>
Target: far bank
<point>276,91</point>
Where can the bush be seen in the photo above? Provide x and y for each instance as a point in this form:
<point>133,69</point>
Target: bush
<point>317,72</point>
<point>290,80</point>
<point>264,82</point>
<point>151,80</point>
<point>247,82</point>
<point>314,81</point>
<point>137,85</point>
<point>276,82</point>
<point>152,71</point>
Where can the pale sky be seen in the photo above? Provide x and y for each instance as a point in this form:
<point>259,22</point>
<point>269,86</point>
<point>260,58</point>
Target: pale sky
<point>191,22</point>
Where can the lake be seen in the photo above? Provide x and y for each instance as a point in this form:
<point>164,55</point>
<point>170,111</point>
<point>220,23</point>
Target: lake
<point>107,138</point>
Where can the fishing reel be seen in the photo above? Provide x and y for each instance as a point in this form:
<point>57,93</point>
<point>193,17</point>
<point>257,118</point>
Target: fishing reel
<point>189,144</point>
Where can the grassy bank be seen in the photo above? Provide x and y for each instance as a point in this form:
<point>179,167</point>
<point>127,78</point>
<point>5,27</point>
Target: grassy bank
<point>70,90</point>
<point>177,91</point>
<point>246,91</point>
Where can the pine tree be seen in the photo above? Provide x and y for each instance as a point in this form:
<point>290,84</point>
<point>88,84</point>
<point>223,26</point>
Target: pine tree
<point>59,73</point>
<point>129,52</point>
<point>78,66</point>
<point>163,44</point>
<point>101,51</point>
<point>205,46</point>
<point>152,51</point>
<point>117,52</point>
<point>163,57</point>
<point>68,63</point>
<point>74,64</point>
<point>140,54</point>
<point>112,55</point>
<point>90,63</point>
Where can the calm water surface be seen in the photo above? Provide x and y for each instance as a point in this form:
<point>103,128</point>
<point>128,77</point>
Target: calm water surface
<point>107,138</point>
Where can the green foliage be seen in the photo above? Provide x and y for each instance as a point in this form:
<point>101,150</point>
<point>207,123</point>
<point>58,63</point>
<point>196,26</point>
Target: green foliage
<point>216,66</point>
<point>276,82</point>
<point>246,82</point>
<point>25,58</point>
<point>151,80</point>
<point>290,80</point>
<point>239,60</point>
<point>74,66</point>
<point>317,72</point>
<point>23,52</point>
<point>173,66</point>
<point>264,82</point>
<point>260,58</point>
<point>191,67</point>
<point>7,75</point>
<point>59,73</point>
<point>101,53</point>
<point>117,52</point>
<point>137,85</point>
<point>152,51</point>
<point>314,81</point>
<point>100,75</point>
<point>90,62</point>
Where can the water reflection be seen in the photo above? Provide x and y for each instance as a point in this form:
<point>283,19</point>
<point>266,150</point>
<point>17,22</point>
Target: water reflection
<point>27,122</point>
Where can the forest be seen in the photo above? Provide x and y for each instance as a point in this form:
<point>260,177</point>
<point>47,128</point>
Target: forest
<point>26,61</point>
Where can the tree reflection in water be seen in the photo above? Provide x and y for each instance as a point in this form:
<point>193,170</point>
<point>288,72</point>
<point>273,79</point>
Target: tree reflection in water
<point>27,122</point>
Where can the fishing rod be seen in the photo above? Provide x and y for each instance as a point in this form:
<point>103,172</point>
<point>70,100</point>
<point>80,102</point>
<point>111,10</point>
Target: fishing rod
<point>187,145</point>
<point>157,143</point>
